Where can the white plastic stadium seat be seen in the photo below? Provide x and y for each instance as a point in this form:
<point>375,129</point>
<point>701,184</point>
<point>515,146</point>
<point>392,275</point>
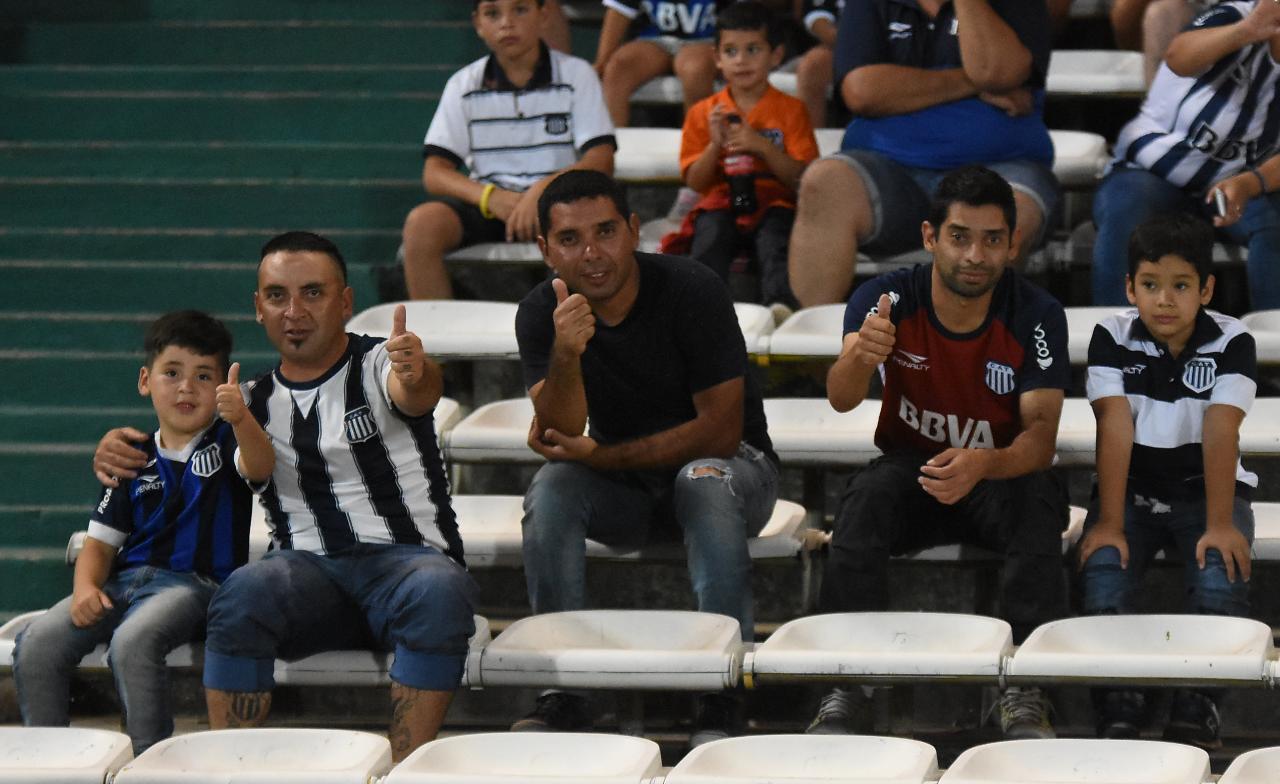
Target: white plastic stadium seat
<point>498,253</point>
<point>1080,324</point>
<point>449,329</point>
<point>808,759</point>
<point>1266,537</point>
<point>907,646</point>
<point>496,432</point>
<point>1079,761</point>
<point>1078,158</point>
<point>561,757</point>
<point>257,756</point>
<point>814,332</point>
<point>1145,650</point>
<point>616,649</point>
<point>61,755</point>
<point>1254,767</point>
<point>1077,434</point>
<point>1095,72</point>
<point>648,155</point>
<point>1264,325</point>
<point>757,324</point>
<point>809,432</point>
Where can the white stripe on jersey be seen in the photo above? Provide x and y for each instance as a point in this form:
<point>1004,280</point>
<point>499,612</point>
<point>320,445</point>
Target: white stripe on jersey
<point>1189,137</point>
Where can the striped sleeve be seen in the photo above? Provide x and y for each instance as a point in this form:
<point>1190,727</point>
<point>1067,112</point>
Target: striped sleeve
<point>448,135</point>
<point>1106,366</point>
<point>1236,383</point>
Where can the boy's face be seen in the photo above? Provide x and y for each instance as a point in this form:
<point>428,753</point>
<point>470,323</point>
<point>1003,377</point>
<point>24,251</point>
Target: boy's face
<point>1168,295</point>
<point>182,386</point>
<point>745,58</point>
<point>510,28</point>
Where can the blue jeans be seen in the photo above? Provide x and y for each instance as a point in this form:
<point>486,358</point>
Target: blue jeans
<point>1152,524</point>
<point>410,599</point>
<point>1129,196</point>
<point>568,503</point>
<point>155,611</point>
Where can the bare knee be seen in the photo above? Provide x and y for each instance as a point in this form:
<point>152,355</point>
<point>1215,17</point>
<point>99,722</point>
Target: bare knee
<point>695,66</point>
<point>433,226</point>
<point>815,67</point>
<point>1030,222</point>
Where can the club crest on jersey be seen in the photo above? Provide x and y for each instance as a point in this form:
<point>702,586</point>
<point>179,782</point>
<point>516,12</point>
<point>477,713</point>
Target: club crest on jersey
<point>557,124</point>
<point>207,461</point>
<point>1200,374</point>
<point>1000,378</point>
<point>359,425</point>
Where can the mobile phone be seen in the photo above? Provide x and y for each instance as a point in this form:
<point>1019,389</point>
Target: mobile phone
<point>1220,198</point>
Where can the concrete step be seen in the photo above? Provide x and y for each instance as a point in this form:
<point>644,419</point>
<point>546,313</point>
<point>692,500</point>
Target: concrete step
<point>359,245</point>
<point>88,331</point>
<point>32,578</point>
<point>321,78</point>
<point>68,11</point>
<point>40,474</point>
<point>381,118</point>
<point>80,424</point>
<point>46,526</point>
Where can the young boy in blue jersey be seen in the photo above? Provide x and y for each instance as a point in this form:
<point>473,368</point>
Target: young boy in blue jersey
<point>158,545</point>
<point>1170,383</point>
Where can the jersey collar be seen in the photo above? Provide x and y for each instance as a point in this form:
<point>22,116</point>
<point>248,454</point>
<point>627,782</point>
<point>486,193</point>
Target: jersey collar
<point>1205,331</point>
<point>496,79</point>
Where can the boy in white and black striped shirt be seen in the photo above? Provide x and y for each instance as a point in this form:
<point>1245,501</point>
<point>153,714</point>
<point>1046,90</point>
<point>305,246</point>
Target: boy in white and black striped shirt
<point>1170,383</point>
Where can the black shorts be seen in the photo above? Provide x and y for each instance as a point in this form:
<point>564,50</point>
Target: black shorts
<point>476,228</point>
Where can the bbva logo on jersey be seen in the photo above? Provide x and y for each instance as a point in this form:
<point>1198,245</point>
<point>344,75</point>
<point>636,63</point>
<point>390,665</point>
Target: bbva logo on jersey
<point>359,425</point>
<point>1200,374</point>
<point>207,461</point>
<point>946,428</point>
<point>681,17</point>
<point>1000,378</point>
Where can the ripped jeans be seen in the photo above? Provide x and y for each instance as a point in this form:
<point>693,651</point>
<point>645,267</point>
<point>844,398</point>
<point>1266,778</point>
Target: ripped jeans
<point>715,504</point>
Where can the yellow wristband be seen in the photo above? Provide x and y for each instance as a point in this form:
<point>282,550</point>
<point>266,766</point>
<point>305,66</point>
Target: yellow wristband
<point>484,200</point>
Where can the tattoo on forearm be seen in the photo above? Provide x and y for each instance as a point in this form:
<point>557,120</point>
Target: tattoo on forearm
<point>403,701</point>
<point>247,709</point>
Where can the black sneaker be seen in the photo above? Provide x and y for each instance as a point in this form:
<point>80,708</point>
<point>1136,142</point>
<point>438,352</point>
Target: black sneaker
<point>719,716</point>
<point>842,712</point>
<point>1024,713</point>
<point>1193,720</point>
<point>1121,714</point>
<point>556,711</point>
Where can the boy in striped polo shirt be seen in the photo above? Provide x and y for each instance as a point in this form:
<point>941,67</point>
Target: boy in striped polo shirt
<point>1170,383</point>
<point>159,544</point>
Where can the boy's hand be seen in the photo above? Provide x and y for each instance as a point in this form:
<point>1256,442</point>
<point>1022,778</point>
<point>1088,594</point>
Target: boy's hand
<point>741,137</point>
<point>1233,547</point>
<point>230,399</point>
<point>502,203</point>
<point>89,606</point>
<point>1100,536</point>
<point>522,223</point>
<point>574,320</point>
<point>1262,22</point>
<point>404,348</point>
<point>718,126</point>
<point>877,335</point>
<point>115,459</point>
<point>952,473</point>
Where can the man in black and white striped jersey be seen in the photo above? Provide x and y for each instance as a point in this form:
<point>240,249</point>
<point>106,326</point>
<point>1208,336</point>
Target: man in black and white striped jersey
<point>367,552</point>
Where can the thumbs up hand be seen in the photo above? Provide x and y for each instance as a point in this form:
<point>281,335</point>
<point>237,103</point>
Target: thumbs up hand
<point>878,335</point>
<point>408,360</point>
<point>230,399</point>
<point>574,320</point>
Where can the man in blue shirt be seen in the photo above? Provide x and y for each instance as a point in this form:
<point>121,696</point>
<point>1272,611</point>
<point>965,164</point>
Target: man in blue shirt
<point>934,85</point>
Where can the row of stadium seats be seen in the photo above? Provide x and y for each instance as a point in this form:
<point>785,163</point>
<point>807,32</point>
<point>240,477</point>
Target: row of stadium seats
<point>471,330</point>
<point>326,756</point>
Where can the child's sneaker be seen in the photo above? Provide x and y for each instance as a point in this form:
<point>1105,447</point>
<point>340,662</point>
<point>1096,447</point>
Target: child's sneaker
<point>686,200</point>
<point>1121,714</point>
<point>1193,719</point>
<point>1024,714</point>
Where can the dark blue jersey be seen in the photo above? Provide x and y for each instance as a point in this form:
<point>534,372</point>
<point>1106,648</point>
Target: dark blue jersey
<point>187,511</point>
<point>693,20</point>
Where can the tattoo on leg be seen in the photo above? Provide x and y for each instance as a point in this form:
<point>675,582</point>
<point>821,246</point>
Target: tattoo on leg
<point>403,701</point>
<point>248,709</point>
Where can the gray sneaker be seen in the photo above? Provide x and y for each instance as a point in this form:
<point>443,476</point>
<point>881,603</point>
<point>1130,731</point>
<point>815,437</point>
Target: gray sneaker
<point>1024,714</point>
<point>842,712</point>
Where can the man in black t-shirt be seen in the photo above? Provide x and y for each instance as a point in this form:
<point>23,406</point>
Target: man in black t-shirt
<point>648,347</point>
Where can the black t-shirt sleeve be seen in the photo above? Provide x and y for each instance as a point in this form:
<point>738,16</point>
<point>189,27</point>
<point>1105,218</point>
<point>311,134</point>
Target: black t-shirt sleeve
<point>859,39</point>
<point>535,333</point>
<point>708,333</point>
<point>1048,365</point>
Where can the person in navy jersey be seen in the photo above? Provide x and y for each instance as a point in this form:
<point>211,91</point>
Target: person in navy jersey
<point>366,552</point>
<point>933,85</point>
<point>160,543</point>
<point>974,363</point>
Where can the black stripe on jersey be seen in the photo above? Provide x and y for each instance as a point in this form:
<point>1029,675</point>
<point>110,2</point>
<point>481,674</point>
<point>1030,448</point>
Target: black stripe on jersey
<point>520,148</point>
<point>423,429</point>
<point>336,534</point>
<point>553,87</point>
<point>374,463</point>
<point>1209,172</point>
<point>258,399</point>
<point>165,541</point>
<point>1221,98</point>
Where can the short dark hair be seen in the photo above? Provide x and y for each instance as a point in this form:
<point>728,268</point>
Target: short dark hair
<point>575,185</point>
<point>190,329</point>
<point>749,15</point>
<point>477,3</point>
<point>1173,234</point>
<point>305,242</point>
<point>976,186</point>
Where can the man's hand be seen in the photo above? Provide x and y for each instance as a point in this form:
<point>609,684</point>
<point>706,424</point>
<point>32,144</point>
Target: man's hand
<point>522,223</point>
<point>1237,190</point>
<point>574,320</point>
<point>404,348</point>
<point>1231,544</point>
<point>554,445</point>
<point>1262,23</point>
<point>230,399</point>
<point>1100,536</point>
<point>877,335</point>
<point>951,474</point>
<point>89,606</point>
<point>1015,103</point>
<point>115,459</point>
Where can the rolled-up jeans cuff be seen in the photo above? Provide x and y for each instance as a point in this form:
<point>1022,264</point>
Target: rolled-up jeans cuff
<point>238,673</point>
<point>427,671</point>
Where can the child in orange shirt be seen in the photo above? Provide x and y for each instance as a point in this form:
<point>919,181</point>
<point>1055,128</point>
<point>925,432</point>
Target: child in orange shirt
<point>743,150</point>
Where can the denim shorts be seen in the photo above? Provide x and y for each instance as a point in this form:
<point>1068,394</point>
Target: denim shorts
<point>900,196</point>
